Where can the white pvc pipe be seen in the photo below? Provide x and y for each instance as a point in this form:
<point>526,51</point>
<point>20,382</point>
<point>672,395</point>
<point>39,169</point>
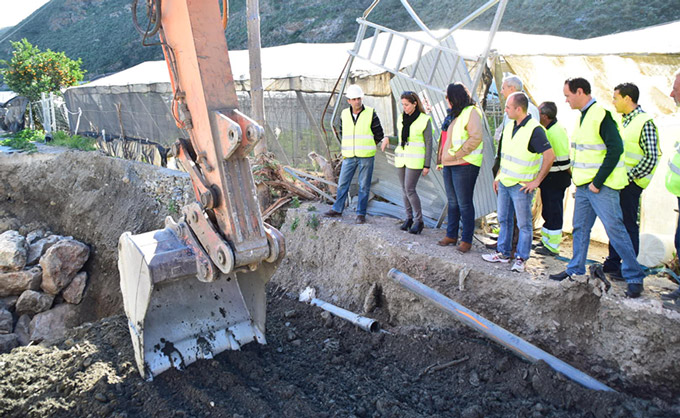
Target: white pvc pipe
<point>367,324</point>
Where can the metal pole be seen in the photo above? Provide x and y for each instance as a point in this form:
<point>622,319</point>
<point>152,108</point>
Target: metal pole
<point>489,329</point>
<point>256,88</point>
<point>482,59</point>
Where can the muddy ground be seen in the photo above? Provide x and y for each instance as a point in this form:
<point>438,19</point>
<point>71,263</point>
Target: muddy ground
<point>313,364</point>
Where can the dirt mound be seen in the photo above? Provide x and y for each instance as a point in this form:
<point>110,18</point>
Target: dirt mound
<point>94,199</point>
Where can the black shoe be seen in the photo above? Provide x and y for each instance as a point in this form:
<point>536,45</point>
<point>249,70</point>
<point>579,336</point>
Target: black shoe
<point>675,295</point>
<point>613,272</point>
<point>560,276</point>
<point>417,228</point>
<point>361,219</point>
<point>634,290</point>
<point>493,246</point>
<point>542,250</point>
<point>332,214</point>
<point>406,225</point>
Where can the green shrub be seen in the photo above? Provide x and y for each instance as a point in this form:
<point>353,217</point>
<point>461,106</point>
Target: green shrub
<point>23,140</point>
<point>313,222</point>
<point>63,139</point>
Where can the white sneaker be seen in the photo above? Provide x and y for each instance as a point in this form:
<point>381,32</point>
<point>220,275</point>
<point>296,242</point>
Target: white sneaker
<point>496,258</point>
<point>518,265</point>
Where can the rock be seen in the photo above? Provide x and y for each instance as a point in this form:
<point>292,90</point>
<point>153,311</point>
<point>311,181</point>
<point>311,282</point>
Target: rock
<point>6,322</point>
<point>101,397</point>
<point>74,292</point>
<point>16,282</point>
<point>21,329</point>
<point>33,302</point>
<point>54,323</point>
<point>33,236</point>
<point>8,342</point>
<point>290,335</point>
<point>60,264</point>
<point>13,251</point>
<point>38,248</point>
<point>8,302</point>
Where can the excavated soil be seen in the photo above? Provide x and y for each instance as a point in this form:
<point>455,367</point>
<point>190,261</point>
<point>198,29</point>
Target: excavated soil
<point>423,365</point>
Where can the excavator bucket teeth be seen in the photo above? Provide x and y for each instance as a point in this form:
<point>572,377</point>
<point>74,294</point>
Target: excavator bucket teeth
<point>174,318</point>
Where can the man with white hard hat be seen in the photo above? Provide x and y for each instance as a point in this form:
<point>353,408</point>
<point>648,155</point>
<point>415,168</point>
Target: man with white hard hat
<point>361,132</point>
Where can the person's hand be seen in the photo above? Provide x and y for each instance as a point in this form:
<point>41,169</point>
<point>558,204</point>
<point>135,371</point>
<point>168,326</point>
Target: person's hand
<point>383,144</point>
<point>529,187</point>
<point>593,189</point>
<point>425,171</point>
<point>495,186</point>
<point>439,167</point>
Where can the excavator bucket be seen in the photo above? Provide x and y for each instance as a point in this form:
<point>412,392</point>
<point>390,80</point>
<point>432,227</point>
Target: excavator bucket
<point>175,318</point>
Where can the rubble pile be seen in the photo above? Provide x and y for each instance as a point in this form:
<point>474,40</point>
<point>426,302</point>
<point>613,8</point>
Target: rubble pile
<point>41,283</point>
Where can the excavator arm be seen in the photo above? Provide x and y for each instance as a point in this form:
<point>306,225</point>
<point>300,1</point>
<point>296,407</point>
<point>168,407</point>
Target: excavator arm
<point>196,287</point>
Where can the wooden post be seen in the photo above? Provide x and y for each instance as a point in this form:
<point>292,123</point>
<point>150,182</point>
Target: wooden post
<point>256,89</point>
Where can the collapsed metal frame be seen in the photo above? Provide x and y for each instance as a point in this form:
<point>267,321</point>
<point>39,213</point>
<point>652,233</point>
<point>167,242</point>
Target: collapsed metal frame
<point>434,79</point>
<point>434,43</point>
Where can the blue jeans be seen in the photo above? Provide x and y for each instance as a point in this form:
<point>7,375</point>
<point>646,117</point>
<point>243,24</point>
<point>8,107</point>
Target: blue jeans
<point>512,201</point>
<point>349,166</point>
<point>587,207</point>
<point>459,181</point>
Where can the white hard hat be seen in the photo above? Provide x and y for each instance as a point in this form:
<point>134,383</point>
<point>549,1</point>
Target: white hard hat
<point>354,92</point>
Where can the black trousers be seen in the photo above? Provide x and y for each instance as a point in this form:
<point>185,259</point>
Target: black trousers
<point>552,197</point>
<point>630,206</point>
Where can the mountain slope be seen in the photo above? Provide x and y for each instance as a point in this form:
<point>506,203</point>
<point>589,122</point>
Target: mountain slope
<point>102,34</point>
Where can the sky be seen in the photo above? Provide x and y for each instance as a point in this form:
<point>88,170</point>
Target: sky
<point>14,11</point>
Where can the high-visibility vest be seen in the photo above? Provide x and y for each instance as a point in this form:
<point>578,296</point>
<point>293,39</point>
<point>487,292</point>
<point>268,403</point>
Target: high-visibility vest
<point>631,134</point>
<point>559,141</point>
<point>673,174</point>
<point>588,151</point>
<point>518,164</point>
<point>413,154</point>
<point>459,135</point>
<point>357,138</point>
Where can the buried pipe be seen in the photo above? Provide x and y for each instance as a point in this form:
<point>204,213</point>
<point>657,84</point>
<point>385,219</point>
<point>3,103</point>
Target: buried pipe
<point>367,324</point>
<point>509,340</point>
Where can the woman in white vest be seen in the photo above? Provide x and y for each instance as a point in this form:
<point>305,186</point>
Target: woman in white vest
<point>460,156</point>
<point>412,156</point>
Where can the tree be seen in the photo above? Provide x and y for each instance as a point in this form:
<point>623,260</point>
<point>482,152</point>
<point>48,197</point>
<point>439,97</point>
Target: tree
<point>31,72</point>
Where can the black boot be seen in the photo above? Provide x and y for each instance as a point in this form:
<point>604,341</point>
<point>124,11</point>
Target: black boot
<point>406,225</point>
<point>417,228</point>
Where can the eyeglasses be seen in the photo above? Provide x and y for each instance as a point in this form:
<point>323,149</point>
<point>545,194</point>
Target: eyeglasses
<point>408,93</point>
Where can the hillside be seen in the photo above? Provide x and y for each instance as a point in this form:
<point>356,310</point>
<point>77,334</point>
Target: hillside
<point>101,32</point>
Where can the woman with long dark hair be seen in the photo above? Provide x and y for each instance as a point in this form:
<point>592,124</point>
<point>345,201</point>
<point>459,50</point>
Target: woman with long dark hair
<point>412,156</point>
<point>460,156</point>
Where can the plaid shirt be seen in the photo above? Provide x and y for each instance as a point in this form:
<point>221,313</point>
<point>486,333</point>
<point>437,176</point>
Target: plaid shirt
<point>648,143</point>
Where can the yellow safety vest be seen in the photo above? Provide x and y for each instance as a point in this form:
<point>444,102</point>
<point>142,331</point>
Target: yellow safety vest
<point>459,135</point>
<point>631,146</point>
<point>588,151</point>
<point>673,174</point>
<point>559,141</point>
<point>518,164</point>
<point>413,154</point>
<point>357,138</point>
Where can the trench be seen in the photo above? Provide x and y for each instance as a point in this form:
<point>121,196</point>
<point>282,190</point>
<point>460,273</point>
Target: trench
<point>630,345</point>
